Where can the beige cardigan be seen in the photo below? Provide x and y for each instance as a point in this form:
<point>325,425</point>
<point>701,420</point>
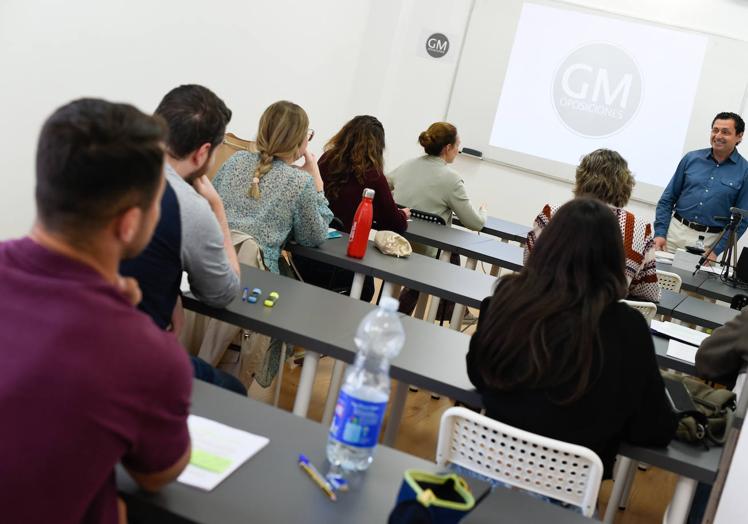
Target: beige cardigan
<point>428,184</point>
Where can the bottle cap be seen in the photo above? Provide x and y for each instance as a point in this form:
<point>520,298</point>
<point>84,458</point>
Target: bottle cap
<point>389,304</point>
<point>368,193</point>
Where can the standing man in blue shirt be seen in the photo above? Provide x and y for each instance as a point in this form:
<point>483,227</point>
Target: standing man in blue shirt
<point>706,184</point>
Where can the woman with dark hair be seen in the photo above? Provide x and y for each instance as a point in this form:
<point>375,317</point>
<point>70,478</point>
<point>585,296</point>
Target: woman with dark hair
<point>353,161</point>
<point>556,352</point>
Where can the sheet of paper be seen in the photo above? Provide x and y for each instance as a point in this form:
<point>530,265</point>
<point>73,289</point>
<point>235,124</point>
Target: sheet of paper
<point>217,451</point>
<point>682,351</point>
<point>682,333</point>
<point>664,257</point>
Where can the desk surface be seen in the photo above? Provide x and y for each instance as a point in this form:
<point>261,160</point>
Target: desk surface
<point>270,487</point>
<point>483,248</point>
<point>502,229</point>
<point>696,311</point>
<point>432,358</point>
<point>502,506</point>
<point>418,272</point>
<point>713,287</point>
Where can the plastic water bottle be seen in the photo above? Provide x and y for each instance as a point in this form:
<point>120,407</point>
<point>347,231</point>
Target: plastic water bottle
<point>700,243</point>
<point>363,396</point>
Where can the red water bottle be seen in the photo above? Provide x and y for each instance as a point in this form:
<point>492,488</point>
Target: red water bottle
<point>359,238</point>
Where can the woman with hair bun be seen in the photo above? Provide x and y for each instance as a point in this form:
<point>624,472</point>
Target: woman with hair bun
<point>428,183</point>
<point>266,196</point>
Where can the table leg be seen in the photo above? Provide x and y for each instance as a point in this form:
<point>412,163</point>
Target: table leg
<point>388,289</point>
<point>304,392</point>
<point>677,511</point>
<point>423,300</point>
<point>434,306</point>
<point>625,467</point>
<point>396,413</point>
<point>279,377</point>
<point>339,367</point>
<point>332,392</point>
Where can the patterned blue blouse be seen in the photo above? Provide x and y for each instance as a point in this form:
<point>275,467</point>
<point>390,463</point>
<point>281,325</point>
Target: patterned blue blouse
<point>289,205</point>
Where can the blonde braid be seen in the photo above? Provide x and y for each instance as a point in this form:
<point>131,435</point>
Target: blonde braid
<point>266,162</point>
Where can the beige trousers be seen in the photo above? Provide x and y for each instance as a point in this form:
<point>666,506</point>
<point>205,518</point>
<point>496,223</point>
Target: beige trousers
<point>679,236</point>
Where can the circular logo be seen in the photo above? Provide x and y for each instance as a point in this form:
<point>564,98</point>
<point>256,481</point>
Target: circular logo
<point>437,45</point>
<point>597,90</point>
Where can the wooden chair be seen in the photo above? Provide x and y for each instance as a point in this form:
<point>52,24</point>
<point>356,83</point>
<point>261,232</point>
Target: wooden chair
<point>230,145</point>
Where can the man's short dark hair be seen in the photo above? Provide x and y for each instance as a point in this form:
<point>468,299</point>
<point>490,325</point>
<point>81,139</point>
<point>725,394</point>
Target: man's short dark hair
<point>195,116</point>
<point>739,123</point>
<point>94,160</point>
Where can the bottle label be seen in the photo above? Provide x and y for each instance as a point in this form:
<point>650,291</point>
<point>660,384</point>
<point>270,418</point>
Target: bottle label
<point>357,422</point>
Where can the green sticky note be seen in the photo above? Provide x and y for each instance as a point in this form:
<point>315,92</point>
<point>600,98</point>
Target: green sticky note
<point>209,461</point>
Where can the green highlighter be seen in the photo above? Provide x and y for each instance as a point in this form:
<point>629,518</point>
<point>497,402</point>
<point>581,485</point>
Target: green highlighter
<point>209,461</point>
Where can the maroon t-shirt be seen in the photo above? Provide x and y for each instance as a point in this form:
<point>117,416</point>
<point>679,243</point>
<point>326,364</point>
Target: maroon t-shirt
<point>86,381</point>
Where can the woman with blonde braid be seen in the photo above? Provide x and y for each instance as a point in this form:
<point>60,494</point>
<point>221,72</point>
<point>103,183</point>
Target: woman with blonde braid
<point>266,196</point>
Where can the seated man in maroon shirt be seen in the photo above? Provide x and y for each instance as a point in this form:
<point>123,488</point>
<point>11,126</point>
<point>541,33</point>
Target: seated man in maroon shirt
<point>87,380</point>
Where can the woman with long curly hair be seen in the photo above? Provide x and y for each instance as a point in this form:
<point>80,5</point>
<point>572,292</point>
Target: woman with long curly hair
<point>352,162</point>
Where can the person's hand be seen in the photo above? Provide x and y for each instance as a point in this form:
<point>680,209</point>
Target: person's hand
<point>660,244</point>
<point>205,188</point>
<point>406,210</point>
<point>483,207</point>
<point>129,287</point>
<point>310,166</point>
<point>711,258</point>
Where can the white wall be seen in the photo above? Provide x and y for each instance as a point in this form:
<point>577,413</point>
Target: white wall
<point>510,193</point>
<point>249,52</point>
<point>337,58</point>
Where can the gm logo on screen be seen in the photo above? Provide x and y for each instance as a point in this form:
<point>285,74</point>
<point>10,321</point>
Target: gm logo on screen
<point>597,90</point>
<point>437,45</point>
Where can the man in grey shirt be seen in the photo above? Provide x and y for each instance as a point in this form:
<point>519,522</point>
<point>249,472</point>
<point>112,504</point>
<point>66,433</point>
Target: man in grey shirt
<point>192,234</point>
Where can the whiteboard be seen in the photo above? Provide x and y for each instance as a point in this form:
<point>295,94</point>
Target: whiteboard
<point>541,83</point>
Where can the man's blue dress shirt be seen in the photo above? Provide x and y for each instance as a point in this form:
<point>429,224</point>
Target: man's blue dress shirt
<point>702,189</point>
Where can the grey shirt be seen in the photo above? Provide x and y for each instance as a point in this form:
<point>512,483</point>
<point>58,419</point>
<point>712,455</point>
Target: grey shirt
<point>724,354</point>
<point>212,280</point>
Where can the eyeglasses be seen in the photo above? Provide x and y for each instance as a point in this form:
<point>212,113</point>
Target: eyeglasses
<point>310,135</point>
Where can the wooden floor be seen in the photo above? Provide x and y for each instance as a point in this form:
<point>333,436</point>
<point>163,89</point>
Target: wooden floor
<point>419,431</point>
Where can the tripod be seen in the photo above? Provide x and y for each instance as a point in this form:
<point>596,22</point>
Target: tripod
<point>730,252</point>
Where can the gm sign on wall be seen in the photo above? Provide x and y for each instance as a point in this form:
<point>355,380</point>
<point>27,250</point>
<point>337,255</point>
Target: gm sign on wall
<point>597,90</point>
<point>437,46</point>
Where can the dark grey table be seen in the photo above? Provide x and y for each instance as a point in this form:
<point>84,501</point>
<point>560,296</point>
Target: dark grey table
<point>696,311</point>
<point>418,272</point>
<point>713,287</point>
<point>502,229</point>
<point>432,358</point>
<point>270,487</point>
<point>690,282</point>
<point>465,243</point>
<point>502,506</point>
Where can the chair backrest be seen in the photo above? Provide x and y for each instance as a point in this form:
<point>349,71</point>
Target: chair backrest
<point>429,217</point>
<point>230,145</point>
<point>648,309</point>
<point>553,468</point>
<point>669,281</point>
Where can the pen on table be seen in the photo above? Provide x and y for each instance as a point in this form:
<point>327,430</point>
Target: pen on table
<point>315,475</point>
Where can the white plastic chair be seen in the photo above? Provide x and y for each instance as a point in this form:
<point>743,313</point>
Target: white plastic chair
<point>669,281</point>
<point>563,471</point>
<point>648,309</point>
